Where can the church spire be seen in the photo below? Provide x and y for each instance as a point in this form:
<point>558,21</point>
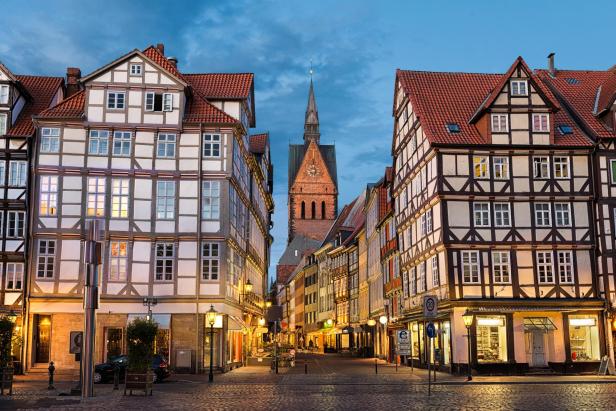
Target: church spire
<point>311,124</point>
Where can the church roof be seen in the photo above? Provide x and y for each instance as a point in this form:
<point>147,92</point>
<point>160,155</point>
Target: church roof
<point>297,248</point>
<point>296,156</point>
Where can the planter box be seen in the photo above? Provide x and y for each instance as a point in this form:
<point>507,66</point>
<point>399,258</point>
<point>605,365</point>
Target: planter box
<point>6,380</point>
<point>139,382</point>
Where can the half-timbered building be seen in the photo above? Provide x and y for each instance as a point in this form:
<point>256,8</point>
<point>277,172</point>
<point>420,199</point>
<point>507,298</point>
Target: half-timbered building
<point>165,161</point>
<point>493,205</point>
<point>21,97</point>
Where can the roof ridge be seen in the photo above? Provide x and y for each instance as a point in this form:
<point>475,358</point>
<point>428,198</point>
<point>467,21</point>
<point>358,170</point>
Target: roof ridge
<point>35,75</point>
<point>450,72</point>
<point>218,72</point>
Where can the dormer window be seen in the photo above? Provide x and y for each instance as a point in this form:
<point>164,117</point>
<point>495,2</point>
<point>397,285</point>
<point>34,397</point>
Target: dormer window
<point>158,101</point>
<point>499,123</point>
<point>135,69</point>
<point>565,129</point>
<point>519,88</point>
<point>453,127</point>
<point>4,94</point>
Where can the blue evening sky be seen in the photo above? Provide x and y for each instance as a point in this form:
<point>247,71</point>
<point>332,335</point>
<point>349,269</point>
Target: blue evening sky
<point>355,47</point>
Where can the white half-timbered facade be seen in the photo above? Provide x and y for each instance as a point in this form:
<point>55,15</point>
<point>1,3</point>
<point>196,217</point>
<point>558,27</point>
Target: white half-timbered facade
<point>493,204</point>
<point>165,161</point>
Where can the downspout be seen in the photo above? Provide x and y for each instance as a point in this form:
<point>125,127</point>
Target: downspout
<point>198,350</point>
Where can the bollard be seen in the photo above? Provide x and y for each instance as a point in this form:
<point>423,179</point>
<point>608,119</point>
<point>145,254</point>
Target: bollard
<point>376,366</point>
<point>116,376</point>
<point>51,369</point>
<point>305,367</point>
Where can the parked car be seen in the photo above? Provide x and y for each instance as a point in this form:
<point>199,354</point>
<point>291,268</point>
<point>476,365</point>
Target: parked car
<point>104,372</point>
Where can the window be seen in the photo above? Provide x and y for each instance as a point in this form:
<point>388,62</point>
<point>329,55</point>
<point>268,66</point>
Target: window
<point>405,284</point>
<point>584,338</point>
<point>565,129</point>
<point>18,173</point>
<point>541,167</point>
<point>435,274</point>
<point>413,281</point>
<point>96,196</point>
<point>165,200</point>
<point>135,69</point>
<point>501,267</point>
<point>470,267</point>
<point>481,212</point>
<point>99,142</point>
<point>545,270</point>
<point>542,215</point>
<point>48,202</point>
<point>561,167</point>
<point>210,261</point>
<point>50,140</point>
<point>428,222</point>
<point>164,261</point>
<point>565,267</point>
<point>14,276</point>
<point>119,197</point>
<point>421,277</point>
<point>122,143</point>
<point>165,146</point>
<point>501,168</point>
<point>613,170</point>
<point>480,166</point>
<point>562,214</point>
<point>2,172</point>
<point>423,224</point>
<point>16,224</point>
<point>502,214</point>
<point>519,88</point>
<point>211,145</point>
<point>453,127</point>
<point>210,207</point>
<point>499,123</point>
<point>491,339</point>
<point>46,259</point>
<point>4,94</point>
<point>150,99</point>
<point>2,124</point>
<point>167,102</point>
<point>118,260</point>
<point>540,122</point>
<point>115,100</point>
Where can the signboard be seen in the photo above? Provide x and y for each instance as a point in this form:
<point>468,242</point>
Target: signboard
<point>76,339</point>
<point>430,306</point>
<point>431,330</point>
<point>606,367</point>
<point>403,342</point>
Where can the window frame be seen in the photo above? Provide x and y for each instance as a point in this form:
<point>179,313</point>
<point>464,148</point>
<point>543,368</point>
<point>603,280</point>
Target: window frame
<point>122,197</point>
<point>502,167</point>
<point>7,94</point>
<point>557,163</point>
<point>483,213</point>
<point>481,165</point>
<point>14,278</point>
<point>4,124</point>
<point>566,269</point>
<point>50,140</point>
<point>436,279</point>
<point>19,229</point>
<point>564,212</point>
<point>542,219</point>
<point>213,145</point>
<point>213,208</point>
<point>50,196</point>
<point>97,197</point>
<point>502,213</point>
<point>213,270</point>
<point>164,141</point>
<point>540,166</point>
<point>167,214</point>
<point>134,72</point>
<point>116,105</point>
<point>519,89</point>
<point>165,260</point>
<point>98,139</point>
<point>122,139</point>
<point>548,278</point>
<point>543,128</point>
<point>499,276</point>
<point>613,171</point>
<point>47,258</point>
<point>474,268</point>
<point>500,128</point>
<point>22,173</point>
<point>167,102</point>
<point>115,261</point>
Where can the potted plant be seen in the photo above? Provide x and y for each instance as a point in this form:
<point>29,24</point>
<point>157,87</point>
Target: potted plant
<point>6,359</point>
<point>141,335</point>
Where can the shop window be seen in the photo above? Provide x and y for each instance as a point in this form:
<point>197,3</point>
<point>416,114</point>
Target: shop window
<point>446,335</point>
<point>491,339</point>
<point>584,338</point>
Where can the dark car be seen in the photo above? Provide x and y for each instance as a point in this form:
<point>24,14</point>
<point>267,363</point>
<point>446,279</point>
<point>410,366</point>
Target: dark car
<point>104,372</point>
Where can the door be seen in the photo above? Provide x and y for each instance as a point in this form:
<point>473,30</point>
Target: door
<point>538,349</point>
<point>113,342</point>
<point>43,338</point>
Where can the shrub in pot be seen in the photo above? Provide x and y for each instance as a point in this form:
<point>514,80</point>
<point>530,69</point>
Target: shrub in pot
<point>141,335</point>
<point>6,359</point>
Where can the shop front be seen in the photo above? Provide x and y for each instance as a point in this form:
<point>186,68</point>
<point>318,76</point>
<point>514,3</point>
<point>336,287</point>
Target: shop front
<point>437,351</point>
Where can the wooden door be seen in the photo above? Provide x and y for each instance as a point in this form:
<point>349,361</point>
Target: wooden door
<point>43,338</point>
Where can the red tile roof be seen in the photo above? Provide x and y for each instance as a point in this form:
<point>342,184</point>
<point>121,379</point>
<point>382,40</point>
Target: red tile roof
<point>199,110</point>
<point>72,107</point>
<point>222,85</point>
<point>578,90</point>
<point>159,58</point>
<point>258,143</point>
<point>441,98</point>
<point>42,91</point>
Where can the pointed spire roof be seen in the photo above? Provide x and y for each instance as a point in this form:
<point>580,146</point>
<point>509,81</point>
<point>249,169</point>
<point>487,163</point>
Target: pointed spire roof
<point>311,123</point>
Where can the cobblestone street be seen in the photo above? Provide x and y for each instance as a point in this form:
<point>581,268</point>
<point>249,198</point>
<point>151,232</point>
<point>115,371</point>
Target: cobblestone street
<point>333,383</point>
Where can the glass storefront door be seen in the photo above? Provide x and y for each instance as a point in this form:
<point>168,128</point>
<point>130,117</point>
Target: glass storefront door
<point>211,342</point>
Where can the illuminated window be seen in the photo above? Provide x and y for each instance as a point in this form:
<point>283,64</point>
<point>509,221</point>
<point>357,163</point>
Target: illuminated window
<point>48,199</point>
<point>119,197</point>
<point>501,168</point>
<point>96,196</point>
<point>118,260</point>
<point>480,167</point>
<point>491,339</point>
<point>584,338</point>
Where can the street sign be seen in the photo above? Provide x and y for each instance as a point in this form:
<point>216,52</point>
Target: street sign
<point>431,330</point>
<point>430,306</point>
<point>75,343</point>
<point>403,342</point>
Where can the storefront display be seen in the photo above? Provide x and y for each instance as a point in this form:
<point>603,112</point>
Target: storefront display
<point>446,339</point>
<point>584,338</point>
<point>491,338</point>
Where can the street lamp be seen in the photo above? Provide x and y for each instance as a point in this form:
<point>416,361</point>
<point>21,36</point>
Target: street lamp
<point>261,322</point>
<point>468,318</point>
<point>149,302</point>
<point>211,320</point>
<point>383,319</point>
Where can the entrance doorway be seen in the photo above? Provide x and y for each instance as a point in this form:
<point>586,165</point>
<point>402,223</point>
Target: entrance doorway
<point>42,338</point>
<point>538,338</point>
<point>537,357</point>
<point>113,342</point>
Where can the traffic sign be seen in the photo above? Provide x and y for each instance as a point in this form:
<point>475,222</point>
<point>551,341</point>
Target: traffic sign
<point>431,330</point>
<point>403,342</point>
<point>430,306</point>
<point>75,342</point>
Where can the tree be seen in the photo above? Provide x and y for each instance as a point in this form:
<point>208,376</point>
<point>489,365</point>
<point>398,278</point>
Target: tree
<point>141,335</point>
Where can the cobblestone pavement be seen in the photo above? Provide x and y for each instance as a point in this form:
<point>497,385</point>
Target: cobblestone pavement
<point>332,383</point>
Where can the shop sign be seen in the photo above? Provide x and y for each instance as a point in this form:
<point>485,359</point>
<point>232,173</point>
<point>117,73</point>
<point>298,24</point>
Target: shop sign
<point>430,306</point>
<point>403,342</point>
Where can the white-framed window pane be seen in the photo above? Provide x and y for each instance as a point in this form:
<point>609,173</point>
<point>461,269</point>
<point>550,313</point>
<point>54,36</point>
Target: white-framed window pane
<point>18,173</point>
<point>116,100</point>
<point>14,276</point>
<point>565,267</point>
<point>545,268</point>
<point>413,281</point>
<point>502,215</point>
<point>501,168</point>
<point>480,166</point>
<point>16,223</point>
<point>541,167</point>
<point>499,123</point>
<point>135,69</point>
<point>519,88</point>
<point>165,145</point>
<point>167,102</point>
<point>122,141</point>
<point>210,261</point>
<point>46,259</point>
<point>120,197</point>
<point>542,215</point>
<point>165,253</point>
<point>561,167</point>
<point>149,101</point>
<point>210,207</point>
<point>3,124</point>
<point>48,199</point>
<point>96,196</point>
<point>50,140</point>
<point>118,260</point>
<point>436,281</point>
<point>211,145</point>
<point>429,224</point>
<point>165,200</point>
<point>501,267</point>
<point>541,122</point>
<point>562,214</point>
<point>470,267</point>
<point>4,94</point>
<point>2,172</point>
<point>481,214</point>
<point>99,142</point>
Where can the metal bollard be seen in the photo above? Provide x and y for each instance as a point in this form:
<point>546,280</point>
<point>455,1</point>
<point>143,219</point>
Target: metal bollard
<point>51,370</point>
<point>116,377</point>
<point>376,366</point>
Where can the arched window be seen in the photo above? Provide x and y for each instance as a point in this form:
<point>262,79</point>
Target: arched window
<point>323,210</point>
<point>314,211</point>
<point>303,210</point>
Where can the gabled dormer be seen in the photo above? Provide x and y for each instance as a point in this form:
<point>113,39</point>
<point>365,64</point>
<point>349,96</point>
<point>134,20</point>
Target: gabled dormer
<point>13,98</point>
<point>605,100</point>
<point>518,109</point>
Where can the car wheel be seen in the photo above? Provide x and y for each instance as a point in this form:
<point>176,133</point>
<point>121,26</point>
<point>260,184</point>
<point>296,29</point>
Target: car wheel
<point>97,378</point>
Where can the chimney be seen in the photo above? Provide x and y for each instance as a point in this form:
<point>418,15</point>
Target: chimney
<point>73,74</point>
<point>161,48</point>
<point>551,68</point>
<point>173,61</point>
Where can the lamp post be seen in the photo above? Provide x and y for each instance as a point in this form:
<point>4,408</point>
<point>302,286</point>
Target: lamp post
<point>149,302</point>
<point>383,321</point>
<point>211,319</point>
<point>468,323</point>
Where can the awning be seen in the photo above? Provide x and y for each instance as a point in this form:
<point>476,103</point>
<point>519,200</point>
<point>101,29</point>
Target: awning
<point>519,309</point>
<point>235,324</point>
<point>538,324</point>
